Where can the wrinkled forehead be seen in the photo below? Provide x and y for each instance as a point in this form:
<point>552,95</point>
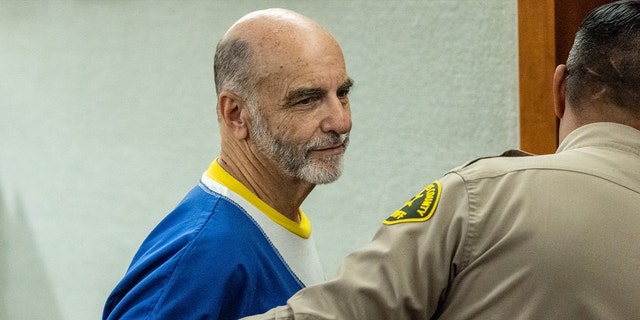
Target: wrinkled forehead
<point>289,53</point>
<point>303,73</point>
<point>307,56</point>
<point>296,52</point>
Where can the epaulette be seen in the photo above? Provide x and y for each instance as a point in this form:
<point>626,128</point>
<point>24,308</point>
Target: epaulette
<point>508,153</point>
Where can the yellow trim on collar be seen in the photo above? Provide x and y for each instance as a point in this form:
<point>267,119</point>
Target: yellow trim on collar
<point>218,174</point>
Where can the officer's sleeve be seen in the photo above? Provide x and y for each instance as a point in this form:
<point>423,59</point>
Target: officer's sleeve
<point>404,272</point>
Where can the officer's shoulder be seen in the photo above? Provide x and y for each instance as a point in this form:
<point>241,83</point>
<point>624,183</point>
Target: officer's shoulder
<point>495,161</point>
<point>512,153</point>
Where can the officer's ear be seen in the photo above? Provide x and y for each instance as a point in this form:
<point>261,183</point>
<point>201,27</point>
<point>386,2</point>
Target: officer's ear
<point>560,90</point>
<point>233,112</point>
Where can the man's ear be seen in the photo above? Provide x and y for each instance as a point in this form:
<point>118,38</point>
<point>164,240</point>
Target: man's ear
<point>560,90</point>
<point>233,114</point>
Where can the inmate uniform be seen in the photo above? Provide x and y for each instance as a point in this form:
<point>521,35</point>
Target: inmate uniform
<point>221,254</point>
<point>532,237</point>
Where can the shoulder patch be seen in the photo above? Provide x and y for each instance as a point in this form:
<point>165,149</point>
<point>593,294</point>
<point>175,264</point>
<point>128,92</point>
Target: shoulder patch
<point>420,208</point>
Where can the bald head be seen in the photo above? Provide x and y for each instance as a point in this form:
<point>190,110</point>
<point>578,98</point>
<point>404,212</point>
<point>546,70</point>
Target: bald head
<point>269,24</point>
<point>264,42</point>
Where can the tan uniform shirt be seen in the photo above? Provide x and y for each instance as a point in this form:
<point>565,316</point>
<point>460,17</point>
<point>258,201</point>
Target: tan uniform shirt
<point>538,237</point>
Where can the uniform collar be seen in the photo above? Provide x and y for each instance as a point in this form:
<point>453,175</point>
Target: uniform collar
<point>607,134</point>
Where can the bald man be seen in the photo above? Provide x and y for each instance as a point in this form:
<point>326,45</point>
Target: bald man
<point>238,244</point>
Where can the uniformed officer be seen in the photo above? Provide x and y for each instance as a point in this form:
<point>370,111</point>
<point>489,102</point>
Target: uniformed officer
<point>516,236</point>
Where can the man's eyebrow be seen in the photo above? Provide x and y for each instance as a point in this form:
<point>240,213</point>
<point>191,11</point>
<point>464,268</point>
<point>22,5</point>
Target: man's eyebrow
<point>347,84</point>
<point>304,93</point>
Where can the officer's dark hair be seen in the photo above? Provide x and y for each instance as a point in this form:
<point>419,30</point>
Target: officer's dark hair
<point>604,63</point>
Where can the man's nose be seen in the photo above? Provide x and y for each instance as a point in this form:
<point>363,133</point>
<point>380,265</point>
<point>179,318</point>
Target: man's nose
<point>338,117</point>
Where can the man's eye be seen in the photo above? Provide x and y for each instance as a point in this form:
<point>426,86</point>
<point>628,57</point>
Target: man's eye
<point>306,101</point>
<point>343,93</point>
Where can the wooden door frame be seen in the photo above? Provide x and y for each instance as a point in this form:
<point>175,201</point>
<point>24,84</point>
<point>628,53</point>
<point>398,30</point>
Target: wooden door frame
<point>546,29</point>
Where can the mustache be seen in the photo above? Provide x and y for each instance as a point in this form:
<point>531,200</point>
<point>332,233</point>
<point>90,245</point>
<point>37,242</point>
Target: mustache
<point>331,139</point>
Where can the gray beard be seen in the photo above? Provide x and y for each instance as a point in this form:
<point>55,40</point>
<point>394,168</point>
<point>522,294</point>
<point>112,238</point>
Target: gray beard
<point>293,159</point>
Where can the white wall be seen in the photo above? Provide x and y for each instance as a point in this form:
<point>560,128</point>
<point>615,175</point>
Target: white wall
<point>107,119</point>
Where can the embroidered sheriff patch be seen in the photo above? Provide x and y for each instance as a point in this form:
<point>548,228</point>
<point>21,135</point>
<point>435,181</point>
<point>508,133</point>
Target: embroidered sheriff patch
<point>419,208</point>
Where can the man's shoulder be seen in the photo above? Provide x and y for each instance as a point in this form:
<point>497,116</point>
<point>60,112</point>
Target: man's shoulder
<point>496,165</point>
<point>204,222</point>
<point>511,153</point>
